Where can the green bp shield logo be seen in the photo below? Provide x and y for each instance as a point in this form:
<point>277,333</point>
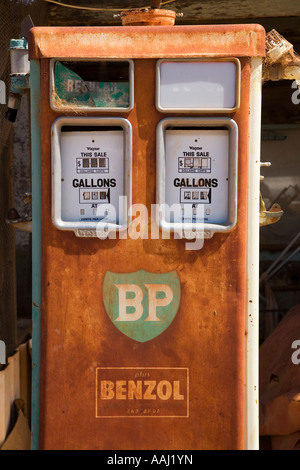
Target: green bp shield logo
<point>141,304</point>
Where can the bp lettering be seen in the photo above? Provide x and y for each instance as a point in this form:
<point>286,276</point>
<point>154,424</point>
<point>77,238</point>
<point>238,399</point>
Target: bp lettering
<point>141,304</point>
<point>131,297</point>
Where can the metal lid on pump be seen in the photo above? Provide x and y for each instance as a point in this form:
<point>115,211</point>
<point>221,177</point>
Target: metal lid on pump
<point>148,17</point>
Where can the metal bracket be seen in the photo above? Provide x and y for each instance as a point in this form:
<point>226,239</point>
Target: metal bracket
<point>271,216</point>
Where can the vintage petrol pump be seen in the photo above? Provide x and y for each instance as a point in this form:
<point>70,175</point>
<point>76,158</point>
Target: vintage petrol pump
<point>144,137</point>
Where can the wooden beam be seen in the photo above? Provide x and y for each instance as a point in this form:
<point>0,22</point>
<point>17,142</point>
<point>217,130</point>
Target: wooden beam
<point>204,10</point>
<point>194,12</point>
<point>229,9</point>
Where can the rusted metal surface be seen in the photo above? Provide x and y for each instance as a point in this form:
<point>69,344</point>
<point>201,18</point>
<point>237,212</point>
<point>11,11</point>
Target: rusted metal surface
<point>153,41</point>
<point>203,348</point>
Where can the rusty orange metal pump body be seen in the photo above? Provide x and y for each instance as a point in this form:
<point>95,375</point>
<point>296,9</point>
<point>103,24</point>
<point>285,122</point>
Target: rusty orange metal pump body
<point>184,388</point>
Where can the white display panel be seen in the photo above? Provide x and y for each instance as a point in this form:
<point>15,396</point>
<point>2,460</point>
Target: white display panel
<point>197,160</point>
<point>91,168</point>
<point>198,85</point>
<point>197,174</point>
<point>92,171</point>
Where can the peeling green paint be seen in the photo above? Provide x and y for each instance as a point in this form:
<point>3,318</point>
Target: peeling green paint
<point>71,89</point>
